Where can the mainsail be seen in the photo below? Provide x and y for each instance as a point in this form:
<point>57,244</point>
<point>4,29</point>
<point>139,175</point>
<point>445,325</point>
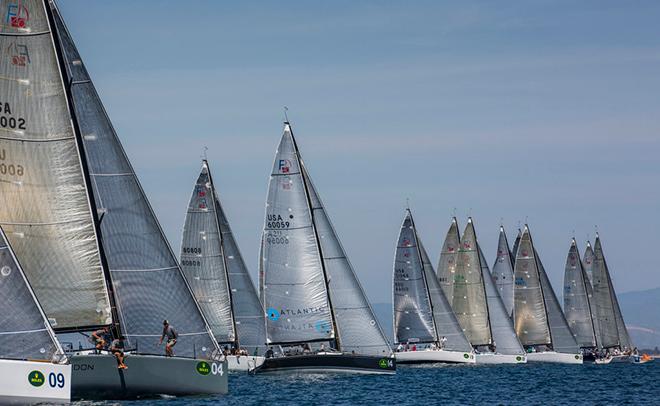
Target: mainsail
<point>24,330</point>
<point>505,340</point>
<point>516,244</point>
<point>147,280</point>
<point>357,327</point>
<point>588,262</point>
<point>469,301</point>
<point>531,319</point>
<point>447,263</point>
<point>45,209</point>
<point>294,286</point>
<point>503,272</point>
<point>216,272</point>
<point>611,327</point>
<point>413,313</point>
<point>577,299</point>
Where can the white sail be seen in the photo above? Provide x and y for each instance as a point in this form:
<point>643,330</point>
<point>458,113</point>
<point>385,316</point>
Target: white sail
<point>505,340</point>
<point>562,338</point>
<point>588,262</point>
<point>202,259</point>
<point>531,321</point>
<point>147,280</point>
<point>516,244</point>
<point>357,326</point>
<point>44,204</point>
<point>413,312</point>
<point>24,330</point>
<point>503,272</point>
<point>448,257</point>
<point>469,301</point>
<point>577,299</point>
<point>294,286</point>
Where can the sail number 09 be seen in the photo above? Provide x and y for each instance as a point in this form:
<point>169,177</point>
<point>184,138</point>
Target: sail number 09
<point>56,380</point>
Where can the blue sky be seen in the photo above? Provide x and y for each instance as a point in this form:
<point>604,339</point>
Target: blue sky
<point>539,110</point>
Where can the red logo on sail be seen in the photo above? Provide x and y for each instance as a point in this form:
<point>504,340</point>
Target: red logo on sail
<point>466,245</point>
<point>19,54</point>
<point>17,15</point>
<point>202,204</point>
<point>406,242</point>
<point>406,254</point>
<point>450,249</point>
<point>284,165</point>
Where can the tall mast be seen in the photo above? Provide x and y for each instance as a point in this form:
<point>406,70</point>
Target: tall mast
<point>222,253</point>
<point>316,235</point>
<point>67,82</point>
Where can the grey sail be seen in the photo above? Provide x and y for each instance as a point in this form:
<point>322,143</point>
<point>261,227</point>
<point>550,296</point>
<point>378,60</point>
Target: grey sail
<point>44,205</point>
<point>294,287</point>
<point>148,283</point>
<point>503,272</point>
<point>447,263</point>
<point>577,299</point>
<point>413,313</point>
<point>530,318</point>
<point>446,323</point>
<point>203,259</point>
<point>560,333</point>
<point>588,262</point>
<point>357,326</point>
<point>612,328</point>
<point>505,339</point>
<point>516,244</point>
<point>24,330</point>
<point>469,301</point>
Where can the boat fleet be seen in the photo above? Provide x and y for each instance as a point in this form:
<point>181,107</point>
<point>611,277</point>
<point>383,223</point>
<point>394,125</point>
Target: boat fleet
<point>82,251</point>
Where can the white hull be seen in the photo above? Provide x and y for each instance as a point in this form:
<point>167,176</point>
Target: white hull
<point>622,358</point>
<point>27,382</point>
<point>494,358</point>
<point>97,377</point>
<point>243,362</point>
<point>556,357</point>
<point>602,361</point>
<point>428,356</point>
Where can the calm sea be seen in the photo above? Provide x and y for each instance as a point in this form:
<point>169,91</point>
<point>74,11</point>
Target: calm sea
<point>531,384</point>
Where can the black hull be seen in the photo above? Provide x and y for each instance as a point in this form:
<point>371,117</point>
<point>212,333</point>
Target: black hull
<point>330,363</point>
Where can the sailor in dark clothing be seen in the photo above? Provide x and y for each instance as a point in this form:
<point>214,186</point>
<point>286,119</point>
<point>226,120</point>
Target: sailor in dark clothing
<point>171,334</point>
<point>117,349</point>
<point>100,337</point>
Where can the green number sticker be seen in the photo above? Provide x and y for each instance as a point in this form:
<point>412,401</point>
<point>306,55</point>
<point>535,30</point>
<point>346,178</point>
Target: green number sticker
<point>203,368</point>
<point>382,363</point>
<point>36,378</point>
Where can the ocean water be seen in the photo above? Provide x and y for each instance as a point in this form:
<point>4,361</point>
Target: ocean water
<point>530,384</point>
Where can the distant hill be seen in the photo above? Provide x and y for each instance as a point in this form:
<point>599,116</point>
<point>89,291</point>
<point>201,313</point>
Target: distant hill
<point>640,311</point>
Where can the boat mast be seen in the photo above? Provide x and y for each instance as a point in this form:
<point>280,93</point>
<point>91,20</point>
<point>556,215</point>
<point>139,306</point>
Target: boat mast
<point>316,235</point>
<point>222,253</point>
<point>67,82</point>
<point>426,283</point>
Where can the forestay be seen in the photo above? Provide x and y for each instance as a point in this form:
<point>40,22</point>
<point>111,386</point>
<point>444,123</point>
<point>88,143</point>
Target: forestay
<point>413,313</point>
<point>202,259</point>
<point>44,205</point>
<point>446,323</point>
<point>469,301</point>
<point>294,287</point>
<point>505,340</point>
<point>561,335</point>
<point>577,298</point>
<point>530,319</point>
<point>356,323</point>
<point>148,283</point>
<point>24,330</point>
<point>503,272</point>
<point>447,263</point>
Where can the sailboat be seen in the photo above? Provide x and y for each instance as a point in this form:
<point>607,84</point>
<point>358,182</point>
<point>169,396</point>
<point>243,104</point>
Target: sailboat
<point>578,298</point>
<point>588,263</point>
<point>33,366</point>
<point>539,321</point>
<point>317,315</point>
<point>612,333</point>
<point>423,318</point>
<point>503,272</point>
<point>78,219</point>
<point>479,307</point>
<point>218,276</point>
